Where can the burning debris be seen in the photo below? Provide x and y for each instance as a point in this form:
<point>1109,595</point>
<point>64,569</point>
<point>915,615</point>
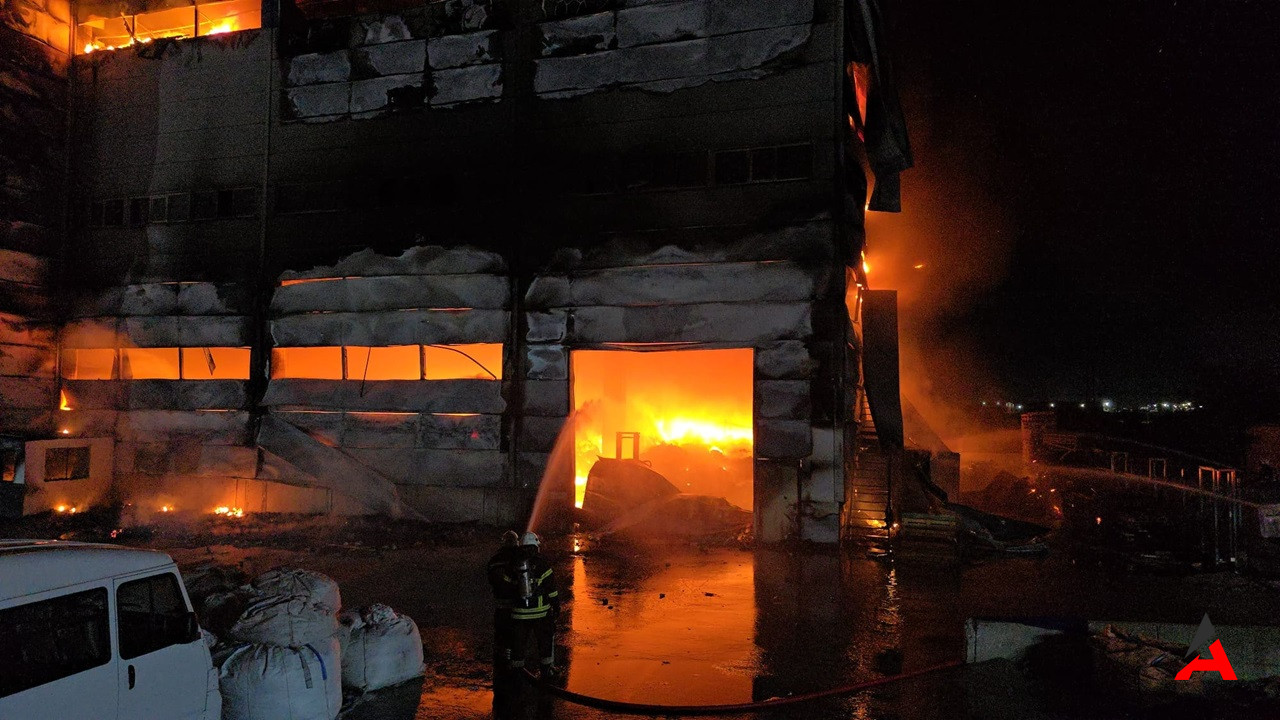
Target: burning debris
<point>627,497</point>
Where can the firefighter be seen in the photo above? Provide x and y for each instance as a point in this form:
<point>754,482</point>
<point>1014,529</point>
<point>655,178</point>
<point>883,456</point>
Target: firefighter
<point>536,607</point>
<point>504,685</point>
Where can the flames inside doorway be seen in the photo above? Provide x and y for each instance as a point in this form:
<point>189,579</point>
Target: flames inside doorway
<point>685,415</point>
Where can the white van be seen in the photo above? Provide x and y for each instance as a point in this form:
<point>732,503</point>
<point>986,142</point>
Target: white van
<point>99,632</point>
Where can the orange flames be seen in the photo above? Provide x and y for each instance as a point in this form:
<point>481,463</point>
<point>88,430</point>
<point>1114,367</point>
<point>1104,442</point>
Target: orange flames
<point>231,512</point>
<point>691,399</point>
<point>206,18</point>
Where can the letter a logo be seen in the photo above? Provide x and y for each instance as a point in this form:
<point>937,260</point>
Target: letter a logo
<point>1217,660</point>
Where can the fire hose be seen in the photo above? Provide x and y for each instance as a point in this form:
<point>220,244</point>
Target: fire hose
<point>630,708</point>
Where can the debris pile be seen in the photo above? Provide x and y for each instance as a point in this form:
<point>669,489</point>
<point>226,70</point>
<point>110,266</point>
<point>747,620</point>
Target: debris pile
<point>1142,666</point>
<point>629,497</point>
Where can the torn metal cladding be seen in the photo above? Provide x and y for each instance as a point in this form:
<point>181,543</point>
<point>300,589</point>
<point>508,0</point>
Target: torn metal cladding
<point>393,292</point>
<point>453,51</point>
<point>159,460</point>
<point>746,323</point>
<point>436,396</point>
<point>782,399</point>
<point>492,505</point>
<point>33,66</point>
<point>788,359</point>
<point>690,61</point>
<point>775,438</point>
<point>395,327</point>
<point>330,468</point>
<point>700,282</point>
<point>540,433</point>
<point>437,467</point>
<point>545,397</point>
<point>157,394</point>
<point>418,260</point>
<point>207,428</point>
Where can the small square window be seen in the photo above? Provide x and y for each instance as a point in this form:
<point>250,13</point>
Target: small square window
<point>637,170</point>
<point>204,205</point>
<point>691,169</point>
<point>226,203</point>
<point>764,164</point>
<point>795,162</point>
<point>733,167</point>
<point>138,211</point>
<point>66,463</point>
<point>159,211</point>
<point>244,202</point>
<point>113,213</point>
<point>179,207</point>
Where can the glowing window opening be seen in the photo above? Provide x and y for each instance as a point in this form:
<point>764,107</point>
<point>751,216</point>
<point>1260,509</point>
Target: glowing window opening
<point>693,411</point>
<point>469,361</point>
<point>103,32</point>
<point>167,363</point>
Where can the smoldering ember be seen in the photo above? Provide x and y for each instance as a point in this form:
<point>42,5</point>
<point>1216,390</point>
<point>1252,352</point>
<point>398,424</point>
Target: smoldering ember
<point>579,358</point>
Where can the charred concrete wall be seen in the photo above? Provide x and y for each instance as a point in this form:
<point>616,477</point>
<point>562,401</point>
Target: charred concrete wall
<point>34,38</point>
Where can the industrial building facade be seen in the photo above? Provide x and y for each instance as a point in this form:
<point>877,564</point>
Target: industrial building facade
<point>334,258</point>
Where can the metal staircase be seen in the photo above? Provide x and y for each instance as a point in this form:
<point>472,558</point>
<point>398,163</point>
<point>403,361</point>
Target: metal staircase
<point>866,516</point>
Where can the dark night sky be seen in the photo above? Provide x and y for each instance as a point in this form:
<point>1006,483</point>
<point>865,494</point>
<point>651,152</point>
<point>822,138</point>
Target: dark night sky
<point>1096,197</point>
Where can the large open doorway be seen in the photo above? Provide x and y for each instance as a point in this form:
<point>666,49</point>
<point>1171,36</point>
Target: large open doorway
<point>683,416</point>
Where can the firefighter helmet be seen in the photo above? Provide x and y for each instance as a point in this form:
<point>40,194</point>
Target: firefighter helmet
<point>531,538</point>
<point>510,538</point>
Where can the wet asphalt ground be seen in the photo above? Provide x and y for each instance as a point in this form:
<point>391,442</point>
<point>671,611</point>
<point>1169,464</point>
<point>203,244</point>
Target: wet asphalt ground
<point>683,625</point>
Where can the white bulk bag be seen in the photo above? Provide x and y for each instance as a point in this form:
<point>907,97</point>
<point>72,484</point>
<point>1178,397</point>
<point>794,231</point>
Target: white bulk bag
<point>319,590</point>
<point>380,648</point>
<point>269,682</point>
<point>292,621</point>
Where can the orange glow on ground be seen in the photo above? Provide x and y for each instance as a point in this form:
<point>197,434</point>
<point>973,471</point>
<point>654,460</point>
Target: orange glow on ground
<point>623,648</point>
<point>692,409</point>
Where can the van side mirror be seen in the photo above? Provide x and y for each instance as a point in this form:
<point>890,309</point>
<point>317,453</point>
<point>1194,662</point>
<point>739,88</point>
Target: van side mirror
<point>191,629</point>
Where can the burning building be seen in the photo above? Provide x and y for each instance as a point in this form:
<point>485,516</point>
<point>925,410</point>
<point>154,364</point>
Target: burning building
<point>439,257</point>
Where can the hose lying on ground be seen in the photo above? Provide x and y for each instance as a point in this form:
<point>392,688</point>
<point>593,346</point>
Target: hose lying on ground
<point>629,708</point>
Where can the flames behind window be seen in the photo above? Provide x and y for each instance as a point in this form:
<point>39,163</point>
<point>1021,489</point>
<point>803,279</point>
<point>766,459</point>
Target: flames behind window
<point>475,361</point>
<point>103,29</point>
<point>691,408</point>
<point>168,363</point>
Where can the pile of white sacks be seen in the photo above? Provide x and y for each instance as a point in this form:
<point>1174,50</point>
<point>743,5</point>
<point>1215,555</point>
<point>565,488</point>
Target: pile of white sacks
<point>291,652</point>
